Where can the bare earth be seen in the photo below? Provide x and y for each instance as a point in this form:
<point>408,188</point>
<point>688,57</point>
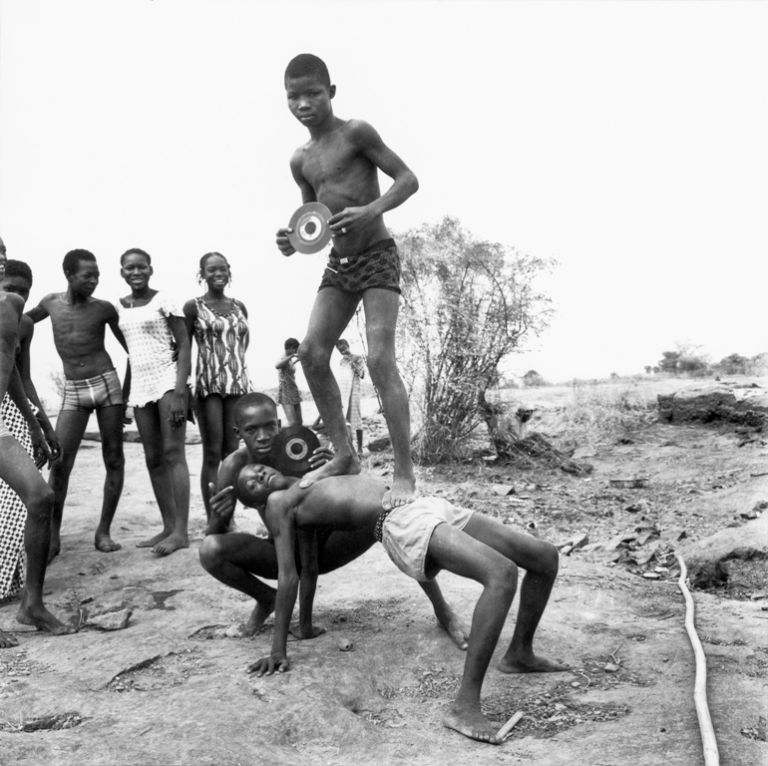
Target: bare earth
<point>171,688</point>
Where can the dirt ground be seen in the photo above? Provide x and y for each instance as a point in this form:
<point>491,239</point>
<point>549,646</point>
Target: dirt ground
<point>171,688</point>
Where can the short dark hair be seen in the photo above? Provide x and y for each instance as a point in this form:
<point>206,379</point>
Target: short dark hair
<point>204,260</point>
<point>290,343</point>
<point>135,251</point>
<point>72,260</point>
<point>308,64</point>
<point>14,268</point>
<point>253,399</point>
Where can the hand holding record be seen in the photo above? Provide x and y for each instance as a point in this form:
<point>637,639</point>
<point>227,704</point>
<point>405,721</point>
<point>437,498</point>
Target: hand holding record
<point>308,230</point>
<point>293,449</point>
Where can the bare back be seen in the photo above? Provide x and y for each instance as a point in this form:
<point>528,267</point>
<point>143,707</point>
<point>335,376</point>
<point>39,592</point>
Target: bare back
<point>78,333</point>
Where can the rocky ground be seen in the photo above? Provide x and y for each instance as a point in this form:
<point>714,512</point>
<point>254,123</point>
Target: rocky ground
<point>171,687</point>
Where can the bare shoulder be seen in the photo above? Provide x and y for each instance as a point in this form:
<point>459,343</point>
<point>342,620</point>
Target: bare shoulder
<point>11,304</point>
<point>104,306</point>
<point>241,306</point>
<point>190,308</point>
<point>361,132</point>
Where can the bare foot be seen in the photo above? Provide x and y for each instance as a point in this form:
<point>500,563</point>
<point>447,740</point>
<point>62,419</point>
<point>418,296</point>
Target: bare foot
<point>340,465</point>
<point>402,492</point>
<point>42,619</point>
<point>471,723</point>
<point>528,662</point>
<point>297,632</point>
<point>258,617</point>
<point>7,640</point>
<point>104,543</point>
<point>153,541</point>
<point>453,627</point>
<point>170,544</point>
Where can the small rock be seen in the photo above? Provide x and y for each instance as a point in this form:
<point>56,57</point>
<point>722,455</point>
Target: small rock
<point>345,645</point>
<point>111,620</point>
<point>641,506</point>
<point>651,575</point>
<point>611,667</point>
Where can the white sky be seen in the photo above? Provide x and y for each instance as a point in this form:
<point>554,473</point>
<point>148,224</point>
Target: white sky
<point>625,139</point>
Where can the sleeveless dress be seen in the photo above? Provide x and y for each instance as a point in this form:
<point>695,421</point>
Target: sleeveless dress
<point>151,348</point>
<point>222,339</point>
<point>13,513</point>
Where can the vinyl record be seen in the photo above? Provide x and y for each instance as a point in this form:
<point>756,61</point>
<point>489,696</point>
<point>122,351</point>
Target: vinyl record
<point>309,228</point>
<point>293,448</point>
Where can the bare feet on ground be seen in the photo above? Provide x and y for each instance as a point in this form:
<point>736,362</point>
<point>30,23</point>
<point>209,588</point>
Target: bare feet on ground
<point>104,543</point>
<point>453,627</point>
<point>528,662</point>
<point>340,465</point>
<point>258,617</point>
<point>471,723</point>
<point>153,541</point>
<point>296,631</point>
<point>7,640</point>
<point>42,619</point>
<point>403,491</point>
<point>172,543</point>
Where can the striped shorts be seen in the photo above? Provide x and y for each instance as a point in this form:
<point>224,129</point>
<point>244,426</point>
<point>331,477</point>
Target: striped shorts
<point>91,394</point>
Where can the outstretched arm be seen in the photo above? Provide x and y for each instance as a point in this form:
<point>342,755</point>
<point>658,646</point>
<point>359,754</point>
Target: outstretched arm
<point>280,522</point>
<point>40,311</point>
<point>307,195</point>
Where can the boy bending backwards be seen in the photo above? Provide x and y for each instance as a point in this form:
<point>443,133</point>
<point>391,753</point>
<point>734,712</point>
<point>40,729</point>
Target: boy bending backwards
<point>239,559</point>
<point>421,538</point>
<point>19,471</point>
<point>79,321</point>
<point>339,167</point>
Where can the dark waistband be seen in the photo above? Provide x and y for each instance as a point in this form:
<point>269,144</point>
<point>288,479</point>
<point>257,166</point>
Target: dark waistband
<point>382,244</point>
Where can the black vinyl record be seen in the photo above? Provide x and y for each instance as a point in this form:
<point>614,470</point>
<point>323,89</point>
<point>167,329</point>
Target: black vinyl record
<point>309,228</point>
<point>292,449</point>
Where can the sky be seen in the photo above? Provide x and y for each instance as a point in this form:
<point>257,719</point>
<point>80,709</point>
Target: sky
<point>625,140</point>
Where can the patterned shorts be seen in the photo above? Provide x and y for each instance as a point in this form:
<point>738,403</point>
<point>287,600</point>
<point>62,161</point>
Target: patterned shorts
<point>405,532</point>
<point>378,266</point>
<point>91,394</point>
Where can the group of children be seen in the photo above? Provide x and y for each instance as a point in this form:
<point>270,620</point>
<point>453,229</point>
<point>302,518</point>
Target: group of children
<point>317,522</point>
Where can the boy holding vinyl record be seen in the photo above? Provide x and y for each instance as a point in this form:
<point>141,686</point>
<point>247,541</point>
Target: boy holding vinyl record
<point>337,173</point>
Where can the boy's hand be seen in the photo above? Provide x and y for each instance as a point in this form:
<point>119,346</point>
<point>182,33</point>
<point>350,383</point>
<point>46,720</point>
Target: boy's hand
<point>283,245</point>
<point>178,413</point>
<point>350,220</point>
<point>40,449</point>
<point>322,455</point>
<point>222,506</point>
<point>268,665</point>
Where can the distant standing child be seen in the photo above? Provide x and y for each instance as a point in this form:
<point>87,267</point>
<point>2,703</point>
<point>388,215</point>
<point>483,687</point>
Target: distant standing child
<point>288,395</point>
<point>339,167</point>
<point>91,384</point>
<point>219,325</point>
<point>352,372</point>
<point>159,359</point>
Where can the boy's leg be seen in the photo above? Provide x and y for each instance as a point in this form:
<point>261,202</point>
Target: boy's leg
<point>70,427</point>
<point>381,308</point>
<point>20,473</point>
<point>175,458</point>
<point>458,552</point>
<point>331,313</point>
<point>540,561</point>
<point>111,430</point>
<point>237,559</point>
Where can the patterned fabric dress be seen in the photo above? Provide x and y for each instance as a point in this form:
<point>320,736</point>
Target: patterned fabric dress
<point>352,370</point>
<point>287,390</point>
<point>221,343</point>
<point>151,348</point>
<point>13,514</point>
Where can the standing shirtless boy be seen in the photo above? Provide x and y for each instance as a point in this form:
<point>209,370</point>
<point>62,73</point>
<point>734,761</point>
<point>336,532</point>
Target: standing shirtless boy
<point>339,167</point>
<point>18,470</point>
<point>421,538</point>
<point>91,383</point>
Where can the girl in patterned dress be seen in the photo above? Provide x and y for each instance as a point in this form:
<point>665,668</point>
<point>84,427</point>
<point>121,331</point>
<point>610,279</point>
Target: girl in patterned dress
<point>219,325</point>
<point>159,365</point>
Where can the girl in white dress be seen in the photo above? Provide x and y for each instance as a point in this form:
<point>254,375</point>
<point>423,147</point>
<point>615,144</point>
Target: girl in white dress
<point>159,367</point>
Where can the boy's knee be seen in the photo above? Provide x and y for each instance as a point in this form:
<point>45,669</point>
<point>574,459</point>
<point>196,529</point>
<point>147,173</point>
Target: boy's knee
<point>210,552</point>
<point>114,462</point>
<point>312,354</point>
<point>549,559</point>
<point>504,577</point>
<point>40,501</point>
